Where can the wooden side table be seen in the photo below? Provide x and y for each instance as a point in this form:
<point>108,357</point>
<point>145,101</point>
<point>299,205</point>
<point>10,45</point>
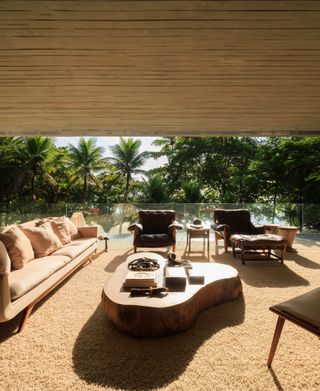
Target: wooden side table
<point>104,236</point>
<point>201,232</point>
<point>289,233</point>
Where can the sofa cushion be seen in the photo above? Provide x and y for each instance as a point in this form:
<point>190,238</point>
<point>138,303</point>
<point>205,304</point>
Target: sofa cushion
<point>75,234</point>
<point>76,247</point>
<point>43,239</point>
<point>60,227</point>
<point>23,280</point>
<point>18,246</point>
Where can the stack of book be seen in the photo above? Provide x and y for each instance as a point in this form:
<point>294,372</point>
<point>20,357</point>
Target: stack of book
<point>140,279</point>
<point>195,276</point>
<point>175,276</point>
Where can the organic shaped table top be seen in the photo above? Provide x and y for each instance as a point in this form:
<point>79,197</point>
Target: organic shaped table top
<point>176,311</point>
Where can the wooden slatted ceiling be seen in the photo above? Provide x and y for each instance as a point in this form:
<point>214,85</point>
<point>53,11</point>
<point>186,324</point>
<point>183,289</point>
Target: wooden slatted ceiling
<point>159,67</point>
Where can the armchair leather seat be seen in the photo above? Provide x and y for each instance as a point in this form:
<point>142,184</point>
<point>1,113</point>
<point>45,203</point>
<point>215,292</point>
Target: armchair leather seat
<point>153,240</point>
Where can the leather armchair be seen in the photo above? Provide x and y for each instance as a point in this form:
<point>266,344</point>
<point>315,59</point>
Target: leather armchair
<point>228,222</point>
<point>155,228</point>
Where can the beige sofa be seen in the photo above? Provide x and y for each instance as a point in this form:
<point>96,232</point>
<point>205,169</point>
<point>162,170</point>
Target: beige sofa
<point>21,289</point>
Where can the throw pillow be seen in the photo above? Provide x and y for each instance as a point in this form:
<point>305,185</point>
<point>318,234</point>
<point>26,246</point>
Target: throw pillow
<point>18,246</point>
<point>59,226</point>
<point>61,229</point>
<point>75,234</point>
<point>44,241</point>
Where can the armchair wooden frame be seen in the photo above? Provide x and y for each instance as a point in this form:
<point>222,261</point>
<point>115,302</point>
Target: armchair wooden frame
<point>148,225</point>
<point>312,326</point>
<point>233,221</point>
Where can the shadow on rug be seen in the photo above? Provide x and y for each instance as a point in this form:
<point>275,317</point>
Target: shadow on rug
<point>104,356</point>
<point>259,274</point>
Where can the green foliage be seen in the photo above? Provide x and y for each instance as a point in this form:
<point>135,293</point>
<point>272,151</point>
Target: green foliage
<point>217,170</point>
<point>154,190</point>
<point>128,160</point>
<point>85,161</point>
<point>36,160</point>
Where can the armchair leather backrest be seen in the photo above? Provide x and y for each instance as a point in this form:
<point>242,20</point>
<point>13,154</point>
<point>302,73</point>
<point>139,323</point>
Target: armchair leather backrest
<point>156,221</point>
<point>237,219</point>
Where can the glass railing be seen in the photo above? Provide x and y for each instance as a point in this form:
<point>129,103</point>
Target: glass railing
<point>115,218</point>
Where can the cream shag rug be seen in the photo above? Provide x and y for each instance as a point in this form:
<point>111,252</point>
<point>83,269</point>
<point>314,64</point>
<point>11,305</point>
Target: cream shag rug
<point>70,345</point>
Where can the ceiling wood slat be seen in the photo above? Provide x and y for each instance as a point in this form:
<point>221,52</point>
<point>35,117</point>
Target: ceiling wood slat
<point>159,67</point>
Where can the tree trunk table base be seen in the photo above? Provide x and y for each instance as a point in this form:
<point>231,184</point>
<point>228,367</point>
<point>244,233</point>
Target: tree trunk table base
<point>174,312</point>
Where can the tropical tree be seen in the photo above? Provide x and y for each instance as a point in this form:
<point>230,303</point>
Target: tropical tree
<point>86,160</point>
<point>154,190</point>
<point>36,156</point>
<point>192,192</point>
<point>128,160</point>
<point>166,145</point>
<point>8,166</point>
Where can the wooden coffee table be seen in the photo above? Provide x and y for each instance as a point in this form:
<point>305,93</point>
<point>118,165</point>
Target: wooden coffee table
<point>167,314</point>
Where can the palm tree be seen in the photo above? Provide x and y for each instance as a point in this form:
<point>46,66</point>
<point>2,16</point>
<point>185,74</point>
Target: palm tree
<point>167,145</point>
<point>128,159</point>
<point>87,160</point>
<point>155,189</point>
<point>37,157</point>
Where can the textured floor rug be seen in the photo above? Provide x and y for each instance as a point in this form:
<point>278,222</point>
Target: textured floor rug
<point>70,345</point>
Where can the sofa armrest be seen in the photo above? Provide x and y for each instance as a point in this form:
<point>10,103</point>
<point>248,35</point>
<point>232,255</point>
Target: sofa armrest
<point>89,231</point>
<point>137,227</point>
<point>5,267</point>
<point>5,262</point>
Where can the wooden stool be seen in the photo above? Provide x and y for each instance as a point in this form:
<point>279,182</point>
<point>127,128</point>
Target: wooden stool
<point>304,311</point>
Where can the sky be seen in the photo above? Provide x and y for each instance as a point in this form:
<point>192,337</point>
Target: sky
<point>106,142</point>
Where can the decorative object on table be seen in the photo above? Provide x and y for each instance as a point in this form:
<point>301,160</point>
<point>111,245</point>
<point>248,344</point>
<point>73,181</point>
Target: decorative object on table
<point>195,231</point>
<point>78,219</point>
<point>195,276</point>
<point>197,223</point>
<point>135,292</point>
<point>140,279</point>
<point>143,264</point>
<point>173,261</point>
<point>175,277</point>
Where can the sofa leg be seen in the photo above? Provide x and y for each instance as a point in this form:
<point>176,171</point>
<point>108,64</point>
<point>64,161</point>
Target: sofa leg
<point>25,318</point>
<point>174,248</point>
<point>134,249</point>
